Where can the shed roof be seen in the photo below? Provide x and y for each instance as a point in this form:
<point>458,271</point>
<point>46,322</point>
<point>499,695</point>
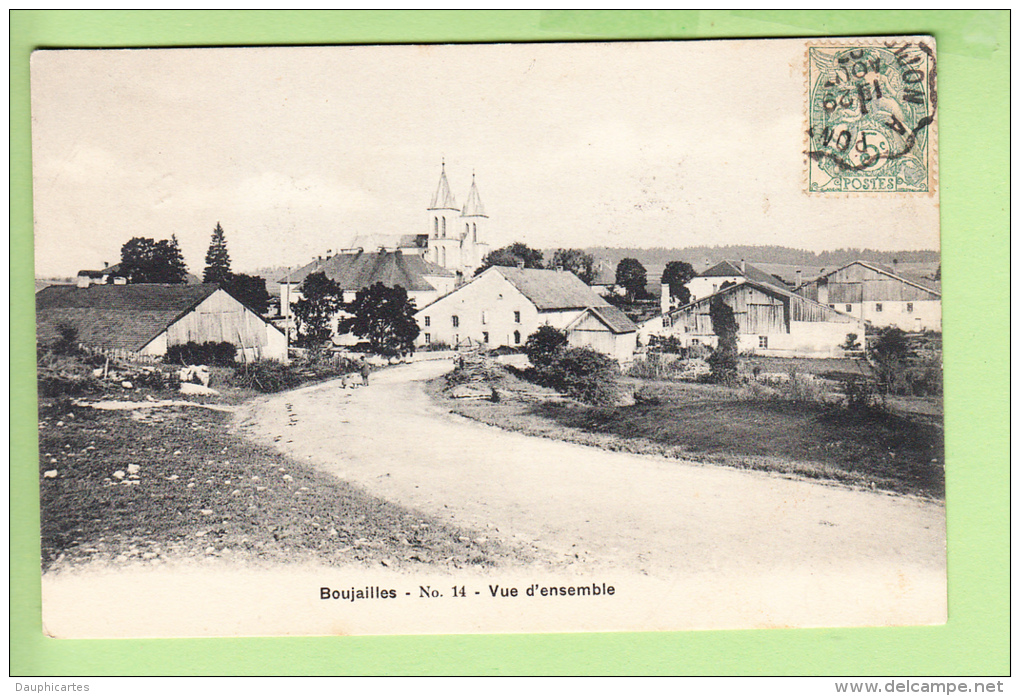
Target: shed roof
<point>124,317</point>
<point>358,270</point>
<point>549,289</point>
<point>614,319</point>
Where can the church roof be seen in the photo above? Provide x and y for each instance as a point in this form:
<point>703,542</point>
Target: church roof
<point>355,271</point>
<point>443,199</point>
<point>473,207</point>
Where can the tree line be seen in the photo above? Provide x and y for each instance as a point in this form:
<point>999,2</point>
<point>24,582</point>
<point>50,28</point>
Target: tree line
<point>145,260</point>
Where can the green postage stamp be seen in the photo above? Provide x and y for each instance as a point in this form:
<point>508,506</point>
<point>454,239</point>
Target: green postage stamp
<point>871,116</point>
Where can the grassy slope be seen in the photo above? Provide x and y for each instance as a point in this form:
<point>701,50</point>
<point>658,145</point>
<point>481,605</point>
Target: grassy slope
<point>204,492</point>
<point>715,424</point>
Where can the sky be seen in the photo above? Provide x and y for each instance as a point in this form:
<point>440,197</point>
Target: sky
<point>295,151</point>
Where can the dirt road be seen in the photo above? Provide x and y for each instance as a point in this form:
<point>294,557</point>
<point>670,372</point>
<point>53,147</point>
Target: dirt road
<point>684,546</point>
<point>580,505</point>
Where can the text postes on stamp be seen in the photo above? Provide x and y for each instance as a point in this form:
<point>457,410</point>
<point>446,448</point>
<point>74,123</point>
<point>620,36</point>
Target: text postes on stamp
<point>871,117</point>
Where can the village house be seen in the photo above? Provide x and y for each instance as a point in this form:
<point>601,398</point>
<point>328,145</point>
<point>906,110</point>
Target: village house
<point>878,296</point>
<point>503,306</point>
<point>146,319</point>
<point>712,279</point>
<point>770,321</point>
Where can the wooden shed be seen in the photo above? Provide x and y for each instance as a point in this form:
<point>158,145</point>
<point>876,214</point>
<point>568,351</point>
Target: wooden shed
<point>605,329</point>
<point>770,321</point>
<point>145,319</point>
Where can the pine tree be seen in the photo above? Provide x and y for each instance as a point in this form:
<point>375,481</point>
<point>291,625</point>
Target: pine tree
<point>217,260</point>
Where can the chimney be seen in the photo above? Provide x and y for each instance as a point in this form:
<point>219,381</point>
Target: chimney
<point>799,278</point>
<point>559,268</point>
<point>520,263</point>
<point>665,303</point>
<point>708,263</point>
<point>743,266</point>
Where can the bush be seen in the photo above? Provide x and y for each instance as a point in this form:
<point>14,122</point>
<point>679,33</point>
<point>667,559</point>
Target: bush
<point>584,374</point>
<point>667,344</point>
<point>221,354</point>
<point>64,375</point>
<point>861,395</point>
<point>267,376</point>
<point>543,345</point>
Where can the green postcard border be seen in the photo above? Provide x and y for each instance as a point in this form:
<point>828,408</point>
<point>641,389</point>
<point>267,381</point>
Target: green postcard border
<point>973,50</point>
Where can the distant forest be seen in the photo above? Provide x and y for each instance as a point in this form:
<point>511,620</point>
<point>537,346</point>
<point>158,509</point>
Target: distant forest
<point>762,254</point>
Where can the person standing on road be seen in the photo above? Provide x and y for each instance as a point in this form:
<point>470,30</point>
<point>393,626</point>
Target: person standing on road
<point>366,370</point>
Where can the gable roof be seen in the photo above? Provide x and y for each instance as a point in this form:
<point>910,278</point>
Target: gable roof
<point>549,289</point>
<point>730,268</point>
<point>766,288</point>
<point>124,317</point>
<point>358,270</point>
<point>885,270</point>
<point>612,317</point>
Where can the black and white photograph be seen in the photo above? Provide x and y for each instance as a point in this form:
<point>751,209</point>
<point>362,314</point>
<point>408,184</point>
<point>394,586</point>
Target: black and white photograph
<point>489,338</point>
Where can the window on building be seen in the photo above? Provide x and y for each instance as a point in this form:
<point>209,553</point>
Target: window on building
<point>456,340</point>
<point>428,339</point>
<point>763,341</point>
<point>428,321</point>
<point>910,308</point>
<point>849,308</point>
<point>517,317</point>
<point>467,229</point>
<point>485,317</point>
<point>832,306</point>
<point>517,337</point>
<point>435,227</point>
<point>444,228</point>
<point>485,337</point>
<point>695,342</point>
<point>456,320</point>
<point>878,306</point>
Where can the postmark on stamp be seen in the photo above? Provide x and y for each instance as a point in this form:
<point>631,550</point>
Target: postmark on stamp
<point>871,116</point>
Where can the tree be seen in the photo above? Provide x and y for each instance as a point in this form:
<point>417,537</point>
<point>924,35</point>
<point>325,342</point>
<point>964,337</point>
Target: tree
<point>889,354</point>
<point>144,260</point>
<point>320,300</point>
<point>577,262</point>
<point>385,317</point>
<point>676,275</point>
<point>249,289</point>
<point>511,255</point>
<point>217,260</point>
<point>542,345</point>
<point>631,275</point>
<point>723,361</point>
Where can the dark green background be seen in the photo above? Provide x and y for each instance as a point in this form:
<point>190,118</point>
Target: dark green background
<point>973,142</point>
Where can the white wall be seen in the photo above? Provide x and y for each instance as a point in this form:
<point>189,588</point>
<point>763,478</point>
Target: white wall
<point>704,286</point>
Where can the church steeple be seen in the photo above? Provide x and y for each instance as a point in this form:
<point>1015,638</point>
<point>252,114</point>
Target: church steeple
<point>473,207</point>
<point>443,200</point>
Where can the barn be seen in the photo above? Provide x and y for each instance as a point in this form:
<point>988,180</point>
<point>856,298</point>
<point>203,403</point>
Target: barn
<point>770,321</point>
<point>879,296</point>
<point>145,319</point>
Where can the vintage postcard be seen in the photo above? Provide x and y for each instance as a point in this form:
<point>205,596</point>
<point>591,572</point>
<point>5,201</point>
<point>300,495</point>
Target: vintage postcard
<point>489,338</point>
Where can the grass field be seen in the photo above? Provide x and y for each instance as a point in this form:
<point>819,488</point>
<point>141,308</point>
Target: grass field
<point>154,485</point>
<point>716,424</point>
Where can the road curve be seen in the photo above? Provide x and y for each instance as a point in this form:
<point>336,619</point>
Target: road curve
<point>579,504</point>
